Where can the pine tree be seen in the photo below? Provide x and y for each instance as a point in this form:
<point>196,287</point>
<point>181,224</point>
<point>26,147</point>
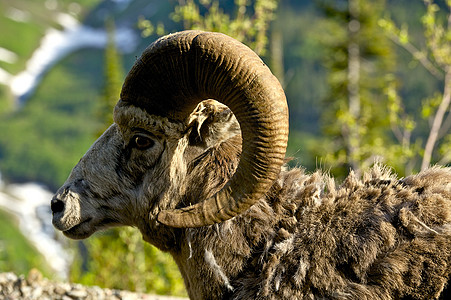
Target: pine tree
<point>114,75</point>
<point>358,57</point>
<point>435,57</point>
<point>248,23</point>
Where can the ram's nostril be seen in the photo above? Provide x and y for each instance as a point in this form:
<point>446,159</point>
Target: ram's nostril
<point>56,205</point>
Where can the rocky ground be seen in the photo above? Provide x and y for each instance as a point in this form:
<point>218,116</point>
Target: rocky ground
<point>34,287</point>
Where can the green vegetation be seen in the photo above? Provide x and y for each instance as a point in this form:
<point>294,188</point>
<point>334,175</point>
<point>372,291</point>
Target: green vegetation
<point>434,114</point>
<point>59,122</point>
<point>113,78</point>
<point>249,23</point>
<point>358,56</point>
<point>26,22</point>
<point>43,140</point>
<point>114,253</point>
<point>354,93</point>
<point>16,253</point>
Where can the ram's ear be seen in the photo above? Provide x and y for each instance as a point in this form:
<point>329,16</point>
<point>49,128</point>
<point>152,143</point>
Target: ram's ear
<point>211,123</point>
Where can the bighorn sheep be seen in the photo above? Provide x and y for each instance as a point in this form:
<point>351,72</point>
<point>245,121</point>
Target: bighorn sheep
<point>210,187</point>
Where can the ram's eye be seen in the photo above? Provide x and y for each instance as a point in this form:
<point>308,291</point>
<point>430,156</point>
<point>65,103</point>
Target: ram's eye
<point>142,142</point>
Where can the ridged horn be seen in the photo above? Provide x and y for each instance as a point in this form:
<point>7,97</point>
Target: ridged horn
<point>177,72</point>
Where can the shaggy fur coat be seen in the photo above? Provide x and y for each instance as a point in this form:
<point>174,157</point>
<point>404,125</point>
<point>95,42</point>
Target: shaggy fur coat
<point>377,237</point>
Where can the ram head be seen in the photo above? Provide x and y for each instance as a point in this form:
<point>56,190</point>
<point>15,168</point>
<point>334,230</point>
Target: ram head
<point>143,170</point>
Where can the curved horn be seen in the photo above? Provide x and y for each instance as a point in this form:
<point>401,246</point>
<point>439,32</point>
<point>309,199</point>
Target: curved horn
<point>177,72</point>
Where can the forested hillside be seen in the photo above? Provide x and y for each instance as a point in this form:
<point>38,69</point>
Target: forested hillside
<point>46,131</point>
<point>365,81</point>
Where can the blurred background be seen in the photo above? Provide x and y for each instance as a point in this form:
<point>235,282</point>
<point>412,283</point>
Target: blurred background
<point>366,82</point>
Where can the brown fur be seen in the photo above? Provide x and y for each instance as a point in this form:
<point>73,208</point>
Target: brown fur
<point>375,237</point>
<point>371,238</point>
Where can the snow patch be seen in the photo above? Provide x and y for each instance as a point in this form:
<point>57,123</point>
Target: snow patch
<point>57,44</point>
<point>5,77</point>
<point>17,15</point>
<point>8,56</point>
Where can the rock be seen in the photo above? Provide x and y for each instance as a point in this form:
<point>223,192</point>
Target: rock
<point>78,293</point>
<point>34,276</point>
<point>35,287</point>
<point>61,289</point>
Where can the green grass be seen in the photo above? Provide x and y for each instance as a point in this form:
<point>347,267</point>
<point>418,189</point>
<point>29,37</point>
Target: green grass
<point>23,38</point>
<point>46,138</point>
<point>16,253</point>
<point>119,251</point>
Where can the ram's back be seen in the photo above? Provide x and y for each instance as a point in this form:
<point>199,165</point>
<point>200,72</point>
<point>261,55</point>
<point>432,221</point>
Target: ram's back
<point>375,238</point>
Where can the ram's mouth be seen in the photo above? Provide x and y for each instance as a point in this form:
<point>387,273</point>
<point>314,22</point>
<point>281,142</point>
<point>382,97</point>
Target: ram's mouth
<point>86,228</point>
<point>81,230</point>
<point>76,221</point>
